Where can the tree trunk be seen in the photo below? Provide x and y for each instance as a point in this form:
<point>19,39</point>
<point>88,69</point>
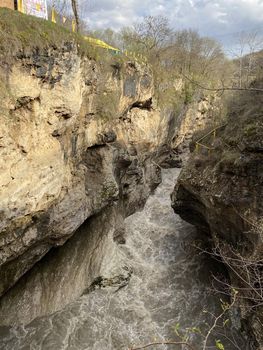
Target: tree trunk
<point>75,9</point>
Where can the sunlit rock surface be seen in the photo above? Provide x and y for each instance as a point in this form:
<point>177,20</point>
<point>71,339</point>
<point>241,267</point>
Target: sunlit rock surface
<point>75,135</point>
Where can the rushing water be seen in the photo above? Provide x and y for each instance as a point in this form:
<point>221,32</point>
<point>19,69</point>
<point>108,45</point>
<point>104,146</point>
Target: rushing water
<point>168,287</point>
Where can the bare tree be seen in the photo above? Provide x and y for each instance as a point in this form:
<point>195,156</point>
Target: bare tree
<point>153,32</point>
<point>75,9</point>
<point>150,34</point>
<point>61,6</point>
<point>72,9</point>
<point>245,57</point>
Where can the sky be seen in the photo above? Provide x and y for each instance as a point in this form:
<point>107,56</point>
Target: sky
<point>220,19</point>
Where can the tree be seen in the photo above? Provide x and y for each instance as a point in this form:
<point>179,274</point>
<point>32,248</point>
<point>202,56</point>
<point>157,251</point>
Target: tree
<point>174,55</point>
<point>61,6</point>
<point>108,35</point>
<point>147,36</point>
<point>71,9</point>
<point>245,54</point>
<point>75,9</point>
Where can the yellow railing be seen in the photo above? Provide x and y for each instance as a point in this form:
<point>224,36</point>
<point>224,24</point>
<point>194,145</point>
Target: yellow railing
<point>198,144</point>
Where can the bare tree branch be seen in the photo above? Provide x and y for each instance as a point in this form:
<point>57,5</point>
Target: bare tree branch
<point>75,9</point>
<point>220,89</point>
<point>164,343</point>
<point>217,320</point>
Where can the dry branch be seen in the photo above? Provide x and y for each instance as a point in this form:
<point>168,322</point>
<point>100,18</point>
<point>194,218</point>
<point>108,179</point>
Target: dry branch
<point>221,89</point>
<point>164,343</point>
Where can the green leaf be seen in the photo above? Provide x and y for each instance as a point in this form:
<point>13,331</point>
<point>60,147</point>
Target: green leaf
<point>235,292</point>
<point>219,345</point>
<point>225,322</point>
<point>176,329</point>
<point>196,330</point>
<point>224,305</point>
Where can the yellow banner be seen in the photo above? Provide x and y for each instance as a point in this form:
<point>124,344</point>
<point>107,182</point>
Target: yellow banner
<point>73,26</point>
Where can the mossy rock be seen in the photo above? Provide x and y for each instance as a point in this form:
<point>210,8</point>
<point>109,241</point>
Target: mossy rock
<point>108,105</point>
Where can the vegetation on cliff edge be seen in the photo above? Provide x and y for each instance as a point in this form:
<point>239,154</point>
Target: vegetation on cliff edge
<point>20,32</point>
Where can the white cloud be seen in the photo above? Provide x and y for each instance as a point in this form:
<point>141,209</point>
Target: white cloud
<point>217,18</point>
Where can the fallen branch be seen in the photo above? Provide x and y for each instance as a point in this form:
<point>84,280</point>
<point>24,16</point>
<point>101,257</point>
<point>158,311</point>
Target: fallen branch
<point>164,343</point>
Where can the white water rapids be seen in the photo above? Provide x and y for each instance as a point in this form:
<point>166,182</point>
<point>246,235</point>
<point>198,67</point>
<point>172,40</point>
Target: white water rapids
<point>168,287</point>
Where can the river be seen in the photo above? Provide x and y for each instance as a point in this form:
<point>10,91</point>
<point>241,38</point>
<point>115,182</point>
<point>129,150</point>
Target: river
<point>169,290</point>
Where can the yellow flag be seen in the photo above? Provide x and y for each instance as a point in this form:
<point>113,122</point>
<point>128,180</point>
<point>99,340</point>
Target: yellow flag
<point>38,7</point>
<point>64,19</point>
<point>20,6</point>
<point>53,15</point>
<point>73,26</point>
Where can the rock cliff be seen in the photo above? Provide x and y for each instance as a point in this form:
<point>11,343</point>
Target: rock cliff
<point>220,191</point>
<point>81,144</point>
<point>75,135</point>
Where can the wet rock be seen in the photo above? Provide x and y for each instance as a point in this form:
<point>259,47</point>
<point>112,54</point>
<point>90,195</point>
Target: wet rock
<point>115,282</point>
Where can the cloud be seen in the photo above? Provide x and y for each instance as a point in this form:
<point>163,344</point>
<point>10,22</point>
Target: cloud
<point>217,18</point>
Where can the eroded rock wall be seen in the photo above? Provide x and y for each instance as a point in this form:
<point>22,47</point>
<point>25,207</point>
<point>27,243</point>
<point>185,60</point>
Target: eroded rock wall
<point>75,136</point>
<point>220,191</point>
<point>81,144</point>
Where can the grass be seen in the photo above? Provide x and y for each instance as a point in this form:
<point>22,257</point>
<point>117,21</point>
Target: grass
<point>24,33</point>
<point>25,36</point>
<point>20,32</point>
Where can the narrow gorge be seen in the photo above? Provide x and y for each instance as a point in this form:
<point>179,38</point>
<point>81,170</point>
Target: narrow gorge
<point>93,252</point>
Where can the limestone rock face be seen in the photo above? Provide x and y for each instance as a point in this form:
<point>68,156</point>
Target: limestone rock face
<point>75,136</point>
<point>220,191</point>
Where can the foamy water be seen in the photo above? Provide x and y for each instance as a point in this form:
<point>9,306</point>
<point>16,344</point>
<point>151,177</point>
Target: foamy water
<point>168,287</point>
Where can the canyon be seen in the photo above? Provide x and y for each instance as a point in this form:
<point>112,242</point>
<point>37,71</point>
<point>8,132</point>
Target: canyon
<point>92,255</point>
